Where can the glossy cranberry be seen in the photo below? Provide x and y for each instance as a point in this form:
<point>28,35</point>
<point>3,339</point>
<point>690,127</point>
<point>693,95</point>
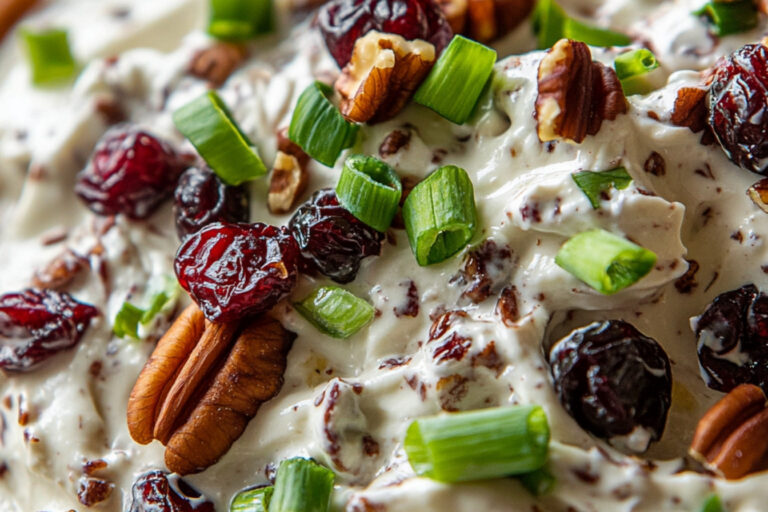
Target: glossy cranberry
<point>733,339</point>
<point>738,106</point>
<point>157,491</point>
<point>331,239</point>
<point>130,172</point>
<point>342,22</point>
<point>36,324</point>
<point>235,270</point>
<point>612,379</point>
<point>201,198</point>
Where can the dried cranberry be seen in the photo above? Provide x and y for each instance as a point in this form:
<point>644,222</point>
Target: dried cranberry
<point>201,198</point>
<point>331,239</point>
<point>612,379</point>
<point>733,339</point>
<point>342,22</point>
<point>157,491</point>
<point>35,324</point>
<point>738,106</point>
<point>130,172</point>
<point>234,270</point>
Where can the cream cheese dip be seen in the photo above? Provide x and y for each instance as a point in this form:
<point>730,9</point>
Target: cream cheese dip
<point>347,403</point>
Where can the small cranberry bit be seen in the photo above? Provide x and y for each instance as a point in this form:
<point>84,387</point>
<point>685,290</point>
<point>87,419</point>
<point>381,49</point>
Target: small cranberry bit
<point>36,324</point>
<point>130,172</point>
<point>201,198</point>
<point>331,239</point>
<point>234,270</point>
<point>738,106</point>
<point>342,22</point>
<point>156,491</point>
<point>612,379</point>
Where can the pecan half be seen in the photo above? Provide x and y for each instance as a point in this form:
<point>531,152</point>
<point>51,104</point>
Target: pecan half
<point>383,73</point>
<point>575,94</point>
<point>485,20</point>
<point>287,183</point>
<point>217,62</point>
<point>732,437</point>
<point>202,385</point>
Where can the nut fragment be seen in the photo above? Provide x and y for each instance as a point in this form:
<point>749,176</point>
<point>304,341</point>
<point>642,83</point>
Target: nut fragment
<point>485,20</point>
<point>575,94</point>
<point>758,192</point>
<point>216,63</point>
<point>287,183</point>
<point>383,73</point>
<point>732,437</point>
<point>60,271</point>
<point>92,491</point>
<point>11,11</point>
<point>482,20</point>
<point>455,12</point>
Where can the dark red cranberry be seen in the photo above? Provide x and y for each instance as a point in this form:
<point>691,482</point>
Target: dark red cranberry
<point>35,324</point>
<point>331,239</point>
<point>234,270</point>
<point>342,22</point>
<point>612,379</point>
<point>733,339</point>
<point>201,198</point>
<point>157,491</point>
<point>130,172</point>
<point>738,106</point>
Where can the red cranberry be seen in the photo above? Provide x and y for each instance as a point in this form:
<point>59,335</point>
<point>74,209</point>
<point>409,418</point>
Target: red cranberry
<point>130,172</point>
<point>201,198</point>
<point>738,106</point>
<point>157,491</point>
<point>342,22</point>
<point>331,239</point>
<point>36,324</point>
<point>611,379</point>
<point>234,270</point>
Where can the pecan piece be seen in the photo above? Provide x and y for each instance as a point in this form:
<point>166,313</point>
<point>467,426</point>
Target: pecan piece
<point>383,73</point>
<point>575,94</point>
<point>455,12</point>
<point>731,439</point>
<point>288,181</point>
<point>485,20</point>
<point>216,63</point>
<point>11,11</point>
<point>758,193</point>
<point>60,271</point>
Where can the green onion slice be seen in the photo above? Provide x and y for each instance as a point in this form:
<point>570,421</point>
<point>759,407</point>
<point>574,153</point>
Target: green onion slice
<point>455,83</point>
<point>476,445</point>
<point>606,262</point>
<point>252,500</point>
<point>593,184</point>
<point>440,215</point>
<point>631,68</point>
<point>538,482</point>
<point>318,126</point>
<point>370,189</point>
<point>713,504</point>
<point>730,17</point>
<point>163,292</point>
<point>551,23</point>
<point>49,56</point>
<point>127,321</point>
<point>578,31</point>
<point>335,311</point>
<point>209,126</point>
<point>302,485</point>
<point>237,20</point>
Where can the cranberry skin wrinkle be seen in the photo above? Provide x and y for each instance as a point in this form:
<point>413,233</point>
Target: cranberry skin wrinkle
<point>342,22</point>
<point>201,198</point>
<point>130,172</point>
<point>36,324</point>
<point>611,379</point>
<point>734,328</point>
<point>235,270</point>
<point>156,491</point>
<point>738,106</point>
<point>331,239</point>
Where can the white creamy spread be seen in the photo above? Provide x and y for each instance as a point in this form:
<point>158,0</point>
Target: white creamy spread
<point>341,396</point>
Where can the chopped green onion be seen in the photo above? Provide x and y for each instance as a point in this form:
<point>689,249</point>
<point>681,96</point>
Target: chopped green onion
<point>301,485</point>
<point>208,124</point>
<point>236,20</point>
<point>538,482</point>
<point>713,504</point>
<point>440,215</point>
<point>335,311</point>
<point>632,67</point>
<point>252,500</point>
<point>476,445</point>
<point>593,184</point>
<point>578,31</point>
<point>49,56</point>
<point>606,262</point>
<point>455,83</point>
<point>551,23</point>
<point>130,316</point>
<point>730,17</point>
<point>370,190</point>
<point>127,321</point>
<point>318,126</point>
